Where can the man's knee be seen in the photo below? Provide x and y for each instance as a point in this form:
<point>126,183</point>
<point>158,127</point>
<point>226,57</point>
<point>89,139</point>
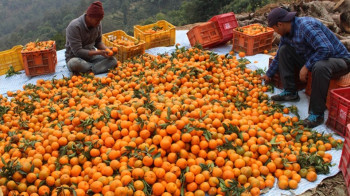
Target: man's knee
<point>321,67</point>
<point>113,62</point>
<point>284,49</point>
<point>104,65</point>
<point>78,65</point>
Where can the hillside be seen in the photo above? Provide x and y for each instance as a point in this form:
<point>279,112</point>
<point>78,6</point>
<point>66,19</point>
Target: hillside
<point>25,21</point>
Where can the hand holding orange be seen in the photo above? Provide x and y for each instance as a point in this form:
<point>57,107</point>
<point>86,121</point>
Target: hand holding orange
<point>110,52</point>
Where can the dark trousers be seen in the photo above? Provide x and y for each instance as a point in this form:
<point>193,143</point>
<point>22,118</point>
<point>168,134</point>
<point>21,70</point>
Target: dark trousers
<point>323,71</point>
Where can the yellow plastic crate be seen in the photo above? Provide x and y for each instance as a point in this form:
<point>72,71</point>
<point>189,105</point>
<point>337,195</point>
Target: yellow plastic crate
<point>11,57</point>
<point>124,51</point>
<point>165,37</point>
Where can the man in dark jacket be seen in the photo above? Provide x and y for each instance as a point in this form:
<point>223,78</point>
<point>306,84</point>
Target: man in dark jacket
<point>308,45</point>
<point>85,51</point>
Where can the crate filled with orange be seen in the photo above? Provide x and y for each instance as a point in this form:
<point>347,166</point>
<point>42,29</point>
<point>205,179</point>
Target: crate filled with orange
<point>161,33</point>
<point>39,57</point>
<point>125,45</point>
<point>252,39</point>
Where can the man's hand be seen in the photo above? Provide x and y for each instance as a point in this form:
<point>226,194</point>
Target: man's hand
<point>102,53</point>
<point>303,74</point>
<point>98,52</point>
<point>266,78</point>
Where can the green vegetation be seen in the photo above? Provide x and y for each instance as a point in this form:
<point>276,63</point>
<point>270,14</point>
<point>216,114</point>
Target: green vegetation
<point>25,21</point>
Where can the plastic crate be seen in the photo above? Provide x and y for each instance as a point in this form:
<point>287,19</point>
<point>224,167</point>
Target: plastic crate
<point>11,57</point>
<point>252,44</point>
<point>227,22</point>
<point>342,82</point>
<point>277,82</point>
<point>345,158</point>
<point>343,165</point>
<point>339,111</point>
<point>40,62</point>
<point>206,34</point>
<point>166,37</point>
<point>124,52</point>
<point>347,178</point>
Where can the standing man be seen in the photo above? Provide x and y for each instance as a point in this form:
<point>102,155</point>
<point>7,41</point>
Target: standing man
<point>83,37</point>
<point>306,45</point>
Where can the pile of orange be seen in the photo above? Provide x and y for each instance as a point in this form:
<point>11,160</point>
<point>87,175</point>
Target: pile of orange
<point>188,123</point>
<point>38,45</point>
<point>124,42</point>
<point>254,29</point>
<point>154,29</point>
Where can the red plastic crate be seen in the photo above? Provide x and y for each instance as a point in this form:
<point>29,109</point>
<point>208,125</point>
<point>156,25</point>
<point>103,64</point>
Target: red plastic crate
<point>343,166</point>
<point>40,62</point>
<point>277,82</point>
<point>252,44</point>
<point>206,34</point>
<point>347,177</point>
<point>342,82</point>
<point>339,110</point>
<point>345,157</point>
<point>227,22</point>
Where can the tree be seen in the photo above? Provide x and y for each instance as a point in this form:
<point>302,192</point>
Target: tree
<point>238,6</point>
<point>60,40</point>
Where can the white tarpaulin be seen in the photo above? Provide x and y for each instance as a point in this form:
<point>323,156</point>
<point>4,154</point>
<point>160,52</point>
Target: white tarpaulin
<point>16,82</point>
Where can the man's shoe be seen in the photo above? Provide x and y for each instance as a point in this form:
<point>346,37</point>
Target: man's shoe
<point>313,120</point>
<point>286,96</point>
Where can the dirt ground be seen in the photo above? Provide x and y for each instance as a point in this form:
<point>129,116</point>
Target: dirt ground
<point>332,186</point>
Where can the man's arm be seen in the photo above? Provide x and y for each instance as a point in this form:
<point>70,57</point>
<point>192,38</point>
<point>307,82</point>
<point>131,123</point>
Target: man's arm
<point>98,42</point>
<point>74,39</point>
<point>273,68</point>
<point>317,39</point>
<point>101,46</point>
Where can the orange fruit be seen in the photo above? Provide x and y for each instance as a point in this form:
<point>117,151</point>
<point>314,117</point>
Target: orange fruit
<point>311,176</point>
<point>241,54</point>
<point>283,184</point>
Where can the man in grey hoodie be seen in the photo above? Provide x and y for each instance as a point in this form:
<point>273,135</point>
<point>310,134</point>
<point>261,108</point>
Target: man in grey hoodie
<point>85,51</point>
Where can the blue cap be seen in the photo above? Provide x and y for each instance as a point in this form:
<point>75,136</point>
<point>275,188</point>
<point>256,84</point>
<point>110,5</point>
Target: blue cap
<point>279,15</point>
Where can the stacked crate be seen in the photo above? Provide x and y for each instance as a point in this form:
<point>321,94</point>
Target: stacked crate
<point>342,82</point>
<point>218,30</point>
<point>345,158</point>
<point>339,110</point>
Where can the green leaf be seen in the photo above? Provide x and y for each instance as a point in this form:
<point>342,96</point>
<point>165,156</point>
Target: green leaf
<point>157,155</point>
<point>168,113</point>
<point>3,160</point>
<point>11,71</point>
<point>207,135</point>
<point>41,183</point>
<point>74,192</point>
